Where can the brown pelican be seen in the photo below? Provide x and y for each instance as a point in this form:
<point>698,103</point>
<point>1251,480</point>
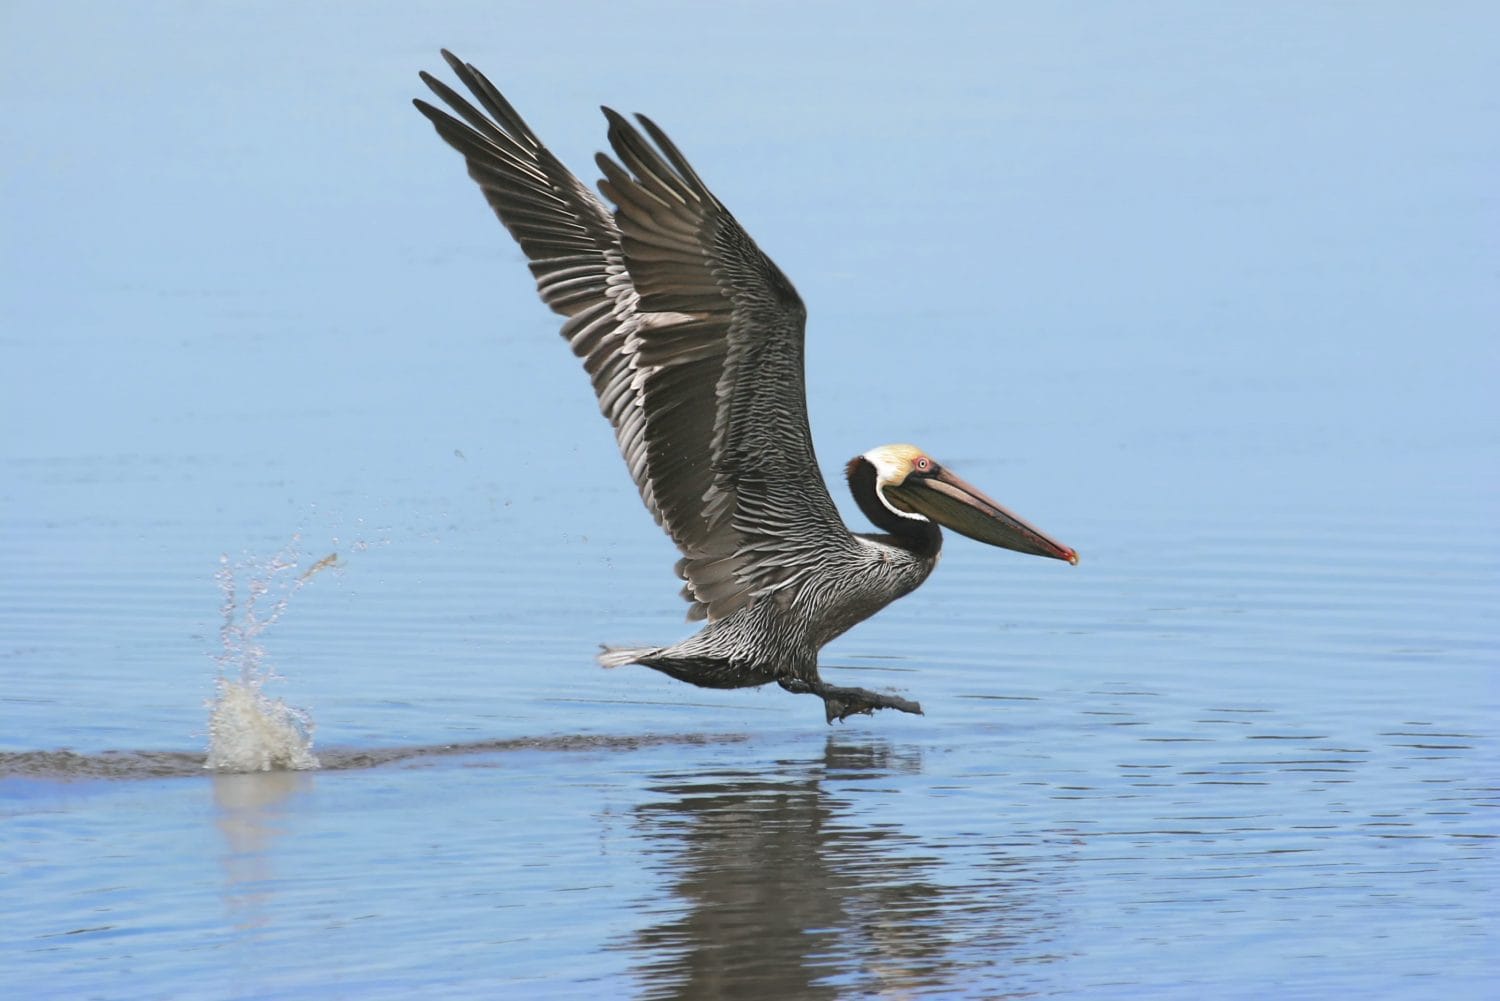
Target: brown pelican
<point>693,340</point>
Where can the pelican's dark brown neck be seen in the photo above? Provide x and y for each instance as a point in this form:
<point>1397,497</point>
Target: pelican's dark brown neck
<point>918,535</point>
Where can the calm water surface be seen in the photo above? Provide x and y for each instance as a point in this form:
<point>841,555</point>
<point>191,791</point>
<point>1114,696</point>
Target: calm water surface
<point>1211,300</point>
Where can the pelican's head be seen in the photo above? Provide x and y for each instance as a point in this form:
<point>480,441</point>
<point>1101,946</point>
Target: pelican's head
<point>910,484</point>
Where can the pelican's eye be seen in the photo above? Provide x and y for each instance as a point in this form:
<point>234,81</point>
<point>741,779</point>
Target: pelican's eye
<point>922,464</point>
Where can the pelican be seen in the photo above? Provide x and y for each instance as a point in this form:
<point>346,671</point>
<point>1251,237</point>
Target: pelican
<point>693,339</point>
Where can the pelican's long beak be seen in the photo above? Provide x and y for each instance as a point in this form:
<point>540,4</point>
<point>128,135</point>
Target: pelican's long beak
<point>951,502</point>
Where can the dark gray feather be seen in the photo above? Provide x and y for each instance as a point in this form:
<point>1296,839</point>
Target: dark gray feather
<point>691,336</point>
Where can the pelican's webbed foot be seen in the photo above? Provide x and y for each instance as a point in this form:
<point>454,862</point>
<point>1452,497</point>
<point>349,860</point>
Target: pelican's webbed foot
<point>841,703</point>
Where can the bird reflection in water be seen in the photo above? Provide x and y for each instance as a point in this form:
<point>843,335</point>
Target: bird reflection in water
<point>781,886</point>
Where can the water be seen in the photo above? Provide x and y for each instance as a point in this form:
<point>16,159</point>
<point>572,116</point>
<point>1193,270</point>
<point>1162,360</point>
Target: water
<point>1212,302</point>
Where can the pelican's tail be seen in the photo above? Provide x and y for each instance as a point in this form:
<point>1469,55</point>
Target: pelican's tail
<point>619,656</point>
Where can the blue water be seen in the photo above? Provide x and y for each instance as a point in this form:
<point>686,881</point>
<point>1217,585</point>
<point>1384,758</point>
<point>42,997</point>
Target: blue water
<point>1210,297</point>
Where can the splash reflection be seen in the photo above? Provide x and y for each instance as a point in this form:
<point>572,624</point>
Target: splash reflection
<point>780,886</point>
<point>249,810</point>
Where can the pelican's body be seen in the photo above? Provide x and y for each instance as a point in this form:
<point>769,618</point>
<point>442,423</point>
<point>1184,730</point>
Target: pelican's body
<point>693,340</point>
<point>778,637</point>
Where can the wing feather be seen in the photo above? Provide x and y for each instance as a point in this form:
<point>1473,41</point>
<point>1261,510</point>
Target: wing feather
<point>691,337</point>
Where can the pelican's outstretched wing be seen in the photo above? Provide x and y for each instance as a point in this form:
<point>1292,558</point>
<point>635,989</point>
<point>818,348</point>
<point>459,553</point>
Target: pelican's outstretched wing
<point>692,336</point>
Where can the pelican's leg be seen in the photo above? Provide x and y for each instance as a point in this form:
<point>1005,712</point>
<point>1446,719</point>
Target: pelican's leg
<point>841,703</point>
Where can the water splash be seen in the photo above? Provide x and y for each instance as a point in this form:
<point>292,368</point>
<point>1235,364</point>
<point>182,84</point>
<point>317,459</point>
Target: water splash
<point>249,731</point>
